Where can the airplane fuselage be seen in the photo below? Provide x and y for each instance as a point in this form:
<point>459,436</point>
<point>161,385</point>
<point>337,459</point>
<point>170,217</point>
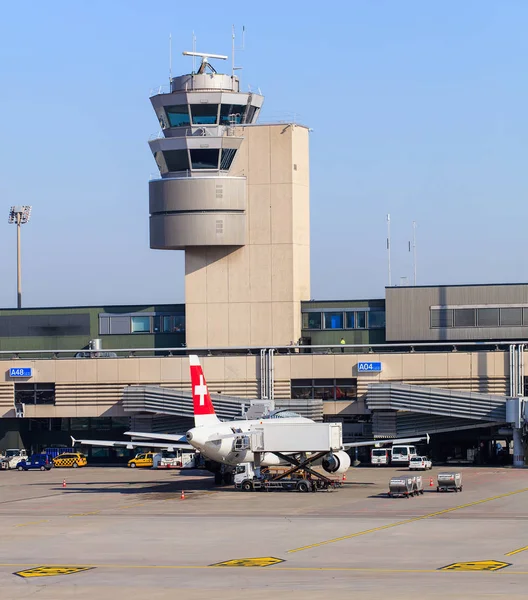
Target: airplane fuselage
<point>231,450</point>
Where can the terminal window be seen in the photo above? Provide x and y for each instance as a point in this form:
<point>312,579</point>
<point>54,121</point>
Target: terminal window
<point>232,114</point>
<point>141,323</point>
<point>343,319</point>
<point>478,316</point>
<point>34,393</point>
<point>328,390</point>
<point>204,114</point>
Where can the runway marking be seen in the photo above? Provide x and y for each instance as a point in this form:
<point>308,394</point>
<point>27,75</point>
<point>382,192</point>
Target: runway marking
<point>406,521</point>
<point>516,551</point>
<point>51,571</point>
<point>32,523</point>
<point>272,568</point>
<point>480,565</point>
<point>262,561</point>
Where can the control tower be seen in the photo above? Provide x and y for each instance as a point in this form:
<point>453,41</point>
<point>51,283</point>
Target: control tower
<point>234,195</point>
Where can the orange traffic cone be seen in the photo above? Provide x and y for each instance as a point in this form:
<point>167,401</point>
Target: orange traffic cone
<point>344,477</point>
<point>64,483</point>
<point>182,497</point>
<point>430,482</point>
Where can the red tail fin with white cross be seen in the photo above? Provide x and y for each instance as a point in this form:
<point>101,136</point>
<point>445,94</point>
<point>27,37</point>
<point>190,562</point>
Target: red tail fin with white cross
<point>204,412</point>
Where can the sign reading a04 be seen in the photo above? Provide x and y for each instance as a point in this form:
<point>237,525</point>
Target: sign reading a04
<point>369,367</point>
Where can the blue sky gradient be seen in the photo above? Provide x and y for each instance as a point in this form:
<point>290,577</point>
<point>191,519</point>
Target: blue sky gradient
<point>417,109</point>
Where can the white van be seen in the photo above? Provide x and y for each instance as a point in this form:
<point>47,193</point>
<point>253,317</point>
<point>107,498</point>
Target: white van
<point>402,454</point>
<point>379,456</point>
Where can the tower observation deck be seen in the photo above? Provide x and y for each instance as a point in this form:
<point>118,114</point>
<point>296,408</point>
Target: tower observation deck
<point>234,195</point>
<point>199,201</point>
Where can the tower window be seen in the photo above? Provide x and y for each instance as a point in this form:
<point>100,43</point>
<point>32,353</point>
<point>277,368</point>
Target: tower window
<point>228,154</point>
<point>204,114</point>
<point>178,116</point>
<point>177,160</point>
<point>204,159</point>
<point>232,114</point>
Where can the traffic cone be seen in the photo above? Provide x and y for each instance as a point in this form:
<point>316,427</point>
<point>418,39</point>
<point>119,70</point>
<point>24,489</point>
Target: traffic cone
<point>182,497</point>
<point>64,483</point>
<point>344,477</point>
<point>430,482</point>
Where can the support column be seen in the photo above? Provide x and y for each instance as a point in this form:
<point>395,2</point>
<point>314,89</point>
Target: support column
<point>518,448</point>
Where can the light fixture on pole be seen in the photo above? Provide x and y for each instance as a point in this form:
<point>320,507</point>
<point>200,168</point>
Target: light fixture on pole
<point>19,215</point>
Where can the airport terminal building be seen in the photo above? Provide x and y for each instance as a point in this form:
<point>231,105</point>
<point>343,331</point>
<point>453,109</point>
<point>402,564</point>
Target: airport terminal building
<point>233,195</point>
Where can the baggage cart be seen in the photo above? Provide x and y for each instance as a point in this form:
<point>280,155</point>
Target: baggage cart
<point>448,482</point>
<point>401,486</point>
<point>417,485</point>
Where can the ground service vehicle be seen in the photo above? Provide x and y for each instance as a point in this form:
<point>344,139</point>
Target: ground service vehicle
<point>179,459</point>
<point>14,456</point>
<point>248,480</point>
<point>420,463</point>
<point>379,456</point>
<point>406,486</point>
<point>449,481</point>
<point>37,461</point>
<point>143,459</point>
<point>70,459</point>
<point>402,454</point>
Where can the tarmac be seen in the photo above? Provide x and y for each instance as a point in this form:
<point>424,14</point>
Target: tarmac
<point>116,533</point>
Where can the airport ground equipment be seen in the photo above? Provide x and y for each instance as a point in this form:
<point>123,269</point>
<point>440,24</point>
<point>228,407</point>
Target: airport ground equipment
<point>448,482</point>
<point>300,478</point>
<point>417,485</point>
<point>178,459</point>
<point>13,456</point>
<point>401,486</point>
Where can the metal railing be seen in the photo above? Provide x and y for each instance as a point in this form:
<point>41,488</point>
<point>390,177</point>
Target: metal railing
<point>364,348</point>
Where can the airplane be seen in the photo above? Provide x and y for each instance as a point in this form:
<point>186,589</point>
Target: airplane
<point>226,443</point>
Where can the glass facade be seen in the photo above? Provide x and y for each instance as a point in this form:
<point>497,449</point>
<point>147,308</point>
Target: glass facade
<point>176,160</point>
<point>204,114</point>
<point>178,116</point>
<point>141,323</point>
<point>328,390</point>
<point>489,316</point>
<point>34,393</point>
<point>232,114</point>
<point>202,158</point>
<point>343,319</point>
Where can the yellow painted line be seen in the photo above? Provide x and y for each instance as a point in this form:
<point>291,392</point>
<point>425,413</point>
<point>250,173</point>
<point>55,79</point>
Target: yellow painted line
<point>516,551</point>
<point>32,523</point>
<point>95,512</point>
<point>407,521</point>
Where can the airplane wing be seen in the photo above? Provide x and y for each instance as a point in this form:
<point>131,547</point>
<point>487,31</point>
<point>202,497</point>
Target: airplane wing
<point>180,441</point>
<point>383,442</point>
<point>132,444</point>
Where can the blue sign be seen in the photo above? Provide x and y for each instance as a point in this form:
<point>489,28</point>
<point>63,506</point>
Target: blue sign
<point>369,367</point>
<point>20,372</point>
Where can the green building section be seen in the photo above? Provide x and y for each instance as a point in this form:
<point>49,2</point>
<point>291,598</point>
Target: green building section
<point>73,328</point>
<point>327,322</point>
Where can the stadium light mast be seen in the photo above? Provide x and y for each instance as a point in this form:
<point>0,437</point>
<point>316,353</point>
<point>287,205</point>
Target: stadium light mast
<point>20,216</point>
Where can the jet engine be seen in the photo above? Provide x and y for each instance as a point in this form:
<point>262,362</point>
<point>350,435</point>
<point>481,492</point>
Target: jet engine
<point>336,462</point>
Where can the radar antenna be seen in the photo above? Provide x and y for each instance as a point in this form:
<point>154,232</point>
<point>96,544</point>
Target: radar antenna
<point>205,60</point>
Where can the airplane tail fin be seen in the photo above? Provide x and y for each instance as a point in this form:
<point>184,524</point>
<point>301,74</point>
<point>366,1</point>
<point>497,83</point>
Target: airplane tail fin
<point>204,412</point>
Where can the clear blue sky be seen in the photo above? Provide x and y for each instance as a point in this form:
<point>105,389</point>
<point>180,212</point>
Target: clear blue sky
<point>418,110</point>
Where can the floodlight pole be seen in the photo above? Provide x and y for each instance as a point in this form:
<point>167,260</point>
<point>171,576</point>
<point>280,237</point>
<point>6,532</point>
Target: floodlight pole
<point>19,263</point>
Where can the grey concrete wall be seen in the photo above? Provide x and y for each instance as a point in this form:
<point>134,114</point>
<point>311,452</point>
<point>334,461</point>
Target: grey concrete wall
<point>408,311</point>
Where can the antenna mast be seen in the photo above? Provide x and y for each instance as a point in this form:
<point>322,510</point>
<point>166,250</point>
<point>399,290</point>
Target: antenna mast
<point>414,251</point>
<point>170,57</point>
<point>194,50</point>
<point>232,51</point>
<point>388,249</point>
